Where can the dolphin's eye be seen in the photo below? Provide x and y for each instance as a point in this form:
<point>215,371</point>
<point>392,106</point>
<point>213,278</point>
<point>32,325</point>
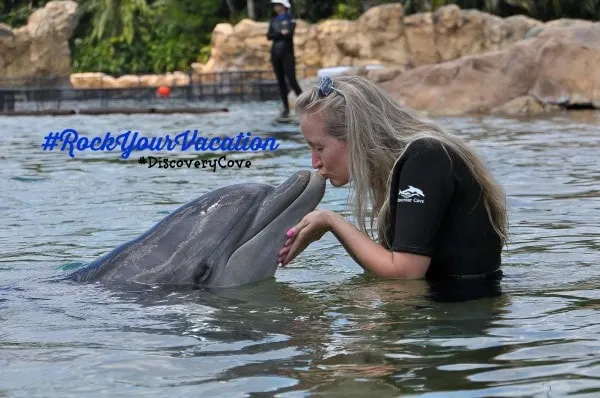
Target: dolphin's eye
<point>202,273</point>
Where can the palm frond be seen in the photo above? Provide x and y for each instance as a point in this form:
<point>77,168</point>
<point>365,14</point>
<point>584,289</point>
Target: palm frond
<point>527,5</point>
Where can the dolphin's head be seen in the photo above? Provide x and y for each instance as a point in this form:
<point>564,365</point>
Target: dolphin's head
<point>227,237</point>
<point>253,257</point>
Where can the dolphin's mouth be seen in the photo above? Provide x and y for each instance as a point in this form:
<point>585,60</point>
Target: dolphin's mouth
<point>256,257</point>
<point>280,199</point>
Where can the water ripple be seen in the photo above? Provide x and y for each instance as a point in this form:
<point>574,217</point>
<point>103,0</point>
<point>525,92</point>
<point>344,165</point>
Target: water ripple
<point>322,327</point>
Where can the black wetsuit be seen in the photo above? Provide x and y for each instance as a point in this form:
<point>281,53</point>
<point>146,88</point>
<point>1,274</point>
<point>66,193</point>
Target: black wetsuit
<point>282,54</point>
<point>437,210</point>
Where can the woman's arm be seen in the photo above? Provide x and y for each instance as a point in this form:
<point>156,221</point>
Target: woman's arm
<point>367,253</point>
<point>375,258</point>
<point>273,32</point>
<point>289,31</point>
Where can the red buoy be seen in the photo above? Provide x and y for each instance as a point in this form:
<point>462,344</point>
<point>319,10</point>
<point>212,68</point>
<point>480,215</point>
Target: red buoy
<point>163,91</point>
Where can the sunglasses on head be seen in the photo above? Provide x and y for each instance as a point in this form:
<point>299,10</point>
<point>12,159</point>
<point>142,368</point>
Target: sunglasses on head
<point>326,87</point>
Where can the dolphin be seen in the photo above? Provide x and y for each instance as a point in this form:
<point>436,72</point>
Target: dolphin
<point>227,237</point>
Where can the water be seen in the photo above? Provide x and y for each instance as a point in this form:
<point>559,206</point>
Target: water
<point>320,327</point>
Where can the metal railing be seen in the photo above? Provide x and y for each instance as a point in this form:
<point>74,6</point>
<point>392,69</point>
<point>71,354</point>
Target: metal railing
<point>57,95</point>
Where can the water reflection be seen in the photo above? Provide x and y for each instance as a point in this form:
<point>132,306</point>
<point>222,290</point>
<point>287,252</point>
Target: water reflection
<point>378,332</point>
<point>359,334</point>
<point>321,327</point>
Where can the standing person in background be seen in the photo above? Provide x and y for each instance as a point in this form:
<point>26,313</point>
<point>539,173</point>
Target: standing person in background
<point>281,32</point>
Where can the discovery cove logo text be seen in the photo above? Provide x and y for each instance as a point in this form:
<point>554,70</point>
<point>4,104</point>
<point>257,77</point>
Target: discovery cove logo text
<point>411,194</point>
<point>69,140</point>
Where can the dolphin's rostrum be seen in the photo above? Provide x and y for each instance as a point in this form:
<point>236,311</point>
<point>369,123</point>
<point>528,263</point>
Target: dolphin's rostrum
<point>227,237</point>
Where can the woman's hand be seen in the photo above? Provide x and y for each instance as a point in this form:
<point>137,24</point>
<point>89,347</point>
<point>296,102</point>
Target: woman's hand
<point>370,255</point>
<point>311,228</point>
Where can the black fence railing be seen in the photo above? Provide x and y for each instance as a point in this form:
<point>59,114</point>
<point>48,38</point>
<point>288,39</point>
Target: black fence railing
<point>55,95</point>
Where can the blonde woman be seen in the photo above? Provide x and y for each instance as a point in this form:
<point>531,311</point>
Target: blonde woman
<point>435,207</point>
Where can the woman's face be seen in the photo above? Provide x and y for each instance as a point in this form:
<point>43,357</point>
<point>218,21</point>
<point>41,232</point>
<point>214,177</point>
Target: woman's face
<point>329,154</point>
<point>278,8</point>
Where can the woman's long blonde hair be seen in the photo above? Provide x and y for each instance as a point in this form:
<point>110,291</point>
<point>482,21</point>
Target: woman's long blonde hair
<point>378,130</point>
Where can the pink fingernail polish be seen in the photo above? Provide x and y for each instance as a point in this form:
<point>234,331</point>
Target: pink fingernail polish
<point>290,232</point>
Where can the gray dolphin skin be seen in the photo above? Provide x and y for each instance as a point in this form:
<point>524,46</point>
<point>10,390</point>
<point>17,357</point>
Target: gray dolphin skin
<point>227,237</point>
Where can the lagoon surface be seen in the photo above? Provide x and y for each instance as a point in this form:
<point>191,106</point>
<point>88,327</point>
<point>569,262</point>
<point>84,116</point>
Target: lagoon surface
<point>321,327</point>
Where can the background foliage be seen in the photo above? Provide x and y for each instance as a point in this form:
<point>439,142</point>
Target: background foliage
<point>157,36</point>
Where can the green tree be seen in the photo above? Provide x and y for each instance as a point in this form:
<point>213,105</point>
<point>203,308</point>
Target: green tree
<point>541,9</point>
<point>157,36</point>
<point>114,18</point>
<point>165,35</point>
<point>16,12</point>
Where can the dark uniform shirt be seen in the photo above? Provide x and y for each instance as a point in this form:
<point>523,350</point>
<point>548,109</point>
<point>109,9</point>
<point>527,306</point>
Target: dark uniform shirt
<point>282,43</point>
<point>437,210</point>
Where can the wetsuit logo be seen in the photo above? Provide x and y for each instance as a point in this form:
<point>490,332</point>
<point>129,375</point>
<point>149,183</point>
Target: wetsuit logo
<point>411,194</point>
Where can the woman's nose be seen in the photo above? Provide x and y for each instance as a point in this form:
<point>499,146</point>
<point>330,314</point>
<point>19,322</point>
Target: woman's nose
<point>316,161</point>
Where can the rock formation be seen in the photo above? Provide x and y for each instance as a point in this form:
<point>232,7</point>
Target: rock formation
<point>40,48</point>
<point>449,62</point>
<point>382,35</point>
<point>555,68</point>
<point>5,30</point>
<point>101,80</point>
